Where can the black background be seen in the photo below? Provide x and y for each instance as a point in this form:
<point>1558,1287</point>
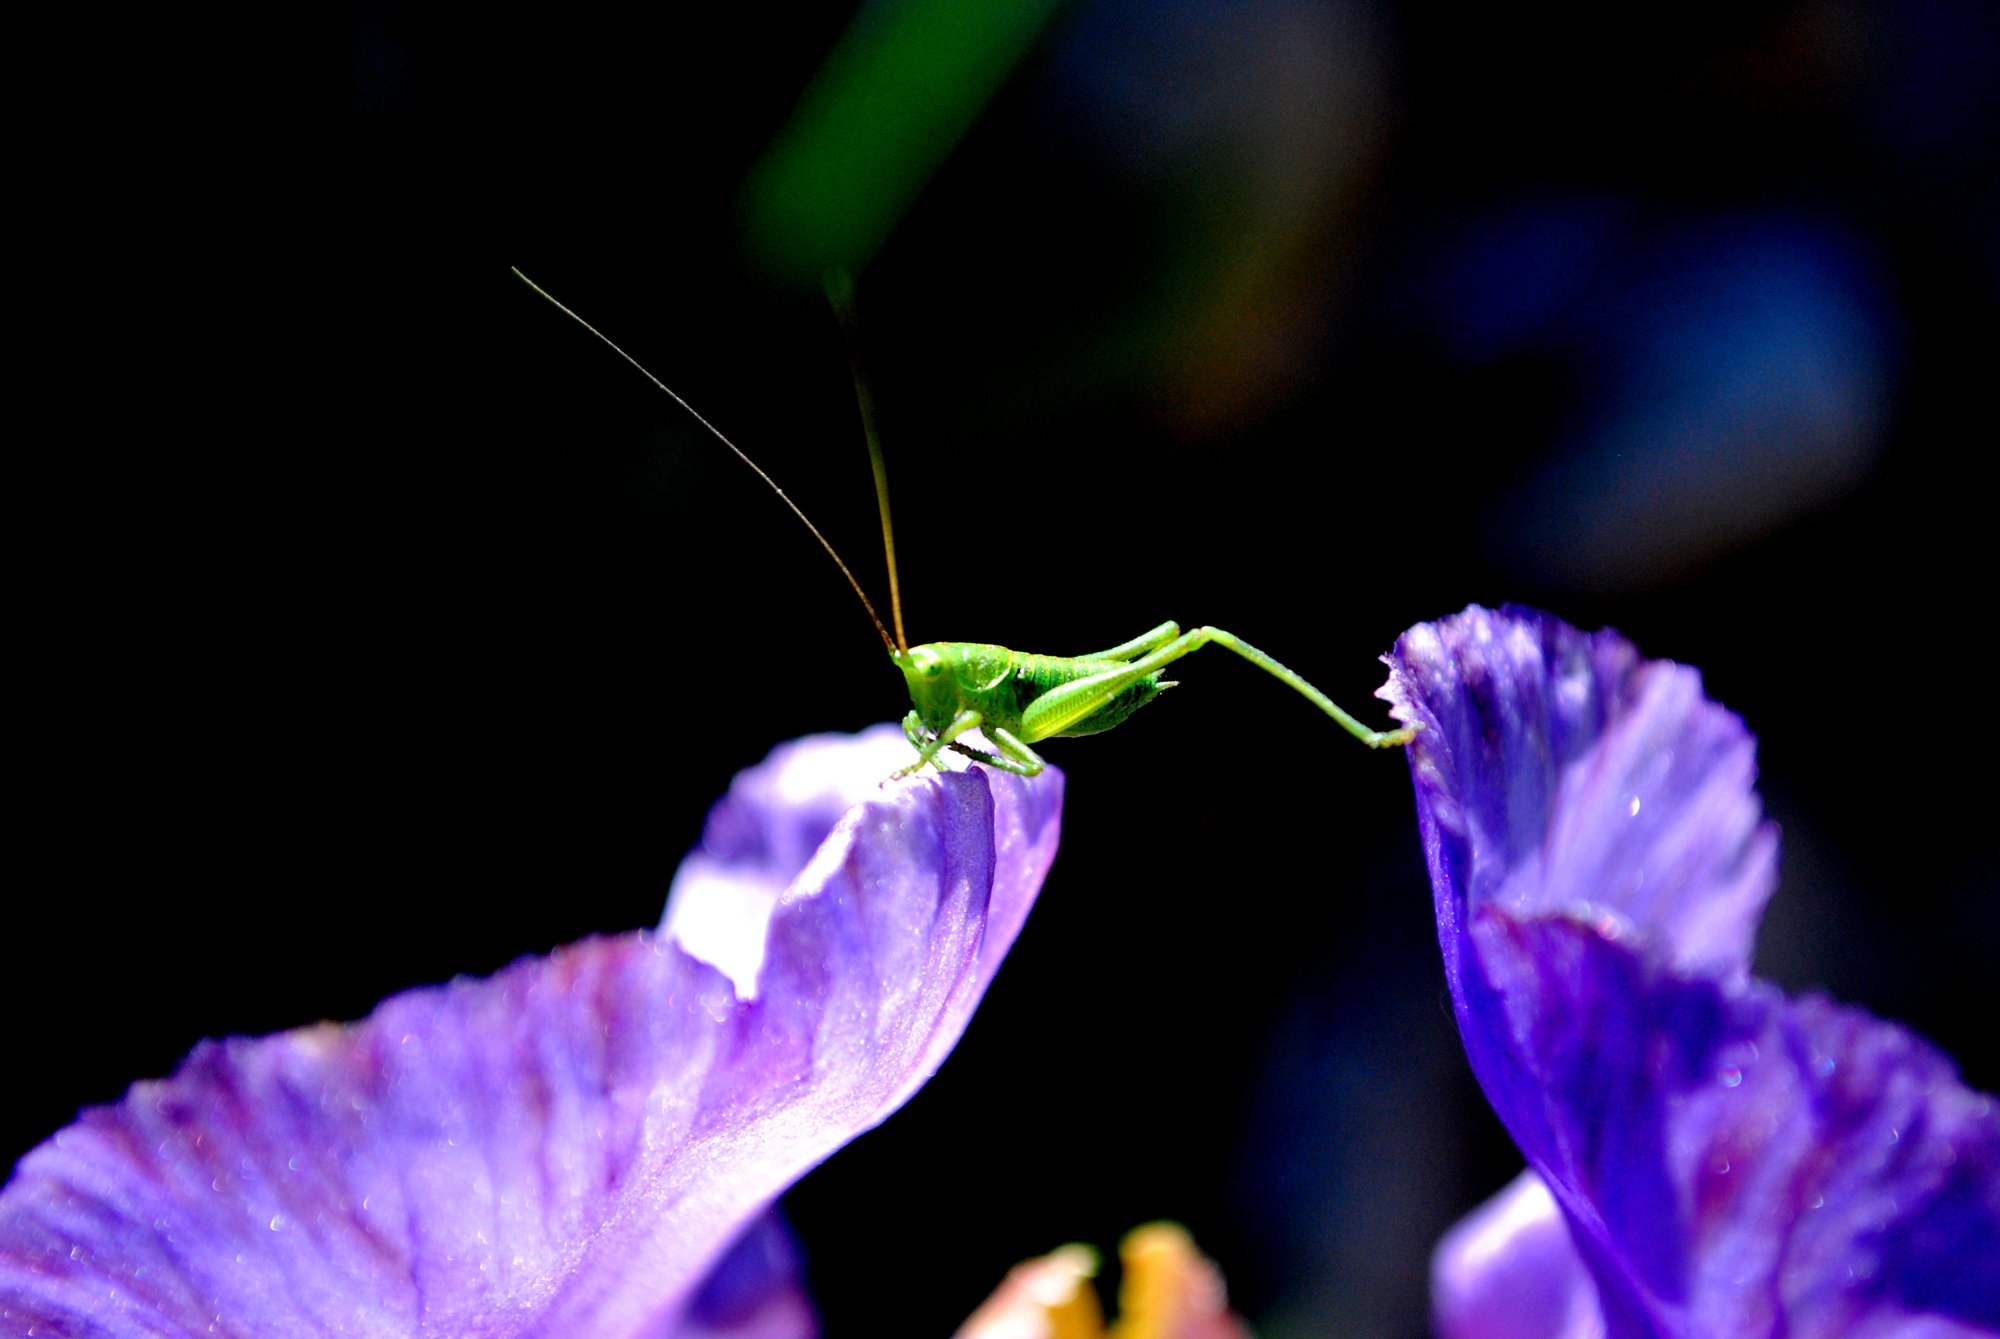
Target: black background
<point>379,626</point>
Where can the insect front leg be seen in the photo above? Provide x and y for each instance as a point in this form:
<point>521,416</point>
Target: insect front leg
<point>927,749</point>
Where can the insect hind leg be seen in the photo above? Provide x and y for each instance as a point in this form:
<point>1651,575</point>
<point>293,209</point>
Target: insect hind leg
<point>1064,706</point>
<point>1138,646</point>
<point>1374,739</point>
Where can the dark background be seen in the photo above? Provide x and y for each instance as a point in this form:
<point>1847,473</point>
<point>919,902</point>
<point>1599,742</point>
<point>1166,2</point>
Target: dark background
<point>381,626</point>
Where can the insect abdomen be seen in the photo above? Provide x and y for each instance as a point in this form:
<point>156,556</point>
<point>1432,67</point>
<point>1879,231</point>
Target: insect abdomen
<point>1035,675</point>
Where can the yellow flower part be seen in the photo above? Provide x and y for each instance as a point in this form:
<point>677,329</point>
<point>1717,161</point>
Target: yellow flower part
<point>1169,1291</point>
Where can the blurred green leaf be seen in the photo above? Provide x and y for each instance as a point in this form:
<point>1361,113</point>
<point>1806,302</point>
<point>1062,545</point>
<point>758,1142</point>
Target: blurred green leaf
<point>894,97</point>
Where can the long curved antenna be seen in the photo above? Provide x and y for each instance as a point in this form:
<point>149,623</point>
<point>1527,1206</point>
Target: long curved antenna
<point>717,432</point>
<point>840,292</point>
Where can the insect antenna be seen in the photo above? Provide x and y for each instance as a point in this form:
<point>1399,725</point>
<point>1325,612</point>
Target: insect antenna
<point>860,594</point>
<point>840,292</point>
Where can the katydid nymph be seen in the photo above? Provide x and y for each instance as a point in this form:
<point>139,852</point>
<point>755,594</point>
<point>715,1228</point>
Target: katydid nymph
<point>1014,699</point>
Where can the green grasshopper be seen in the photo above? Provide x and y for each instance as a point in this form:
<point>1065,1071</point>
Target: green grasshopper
<point>1012,698</point>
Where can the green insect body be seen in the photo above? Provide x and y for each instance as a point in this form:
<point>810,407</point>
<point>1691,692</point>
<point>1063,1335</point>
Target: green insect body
<point>1017,700</point>
<point>1007,696</point>
<point>1014,699</point>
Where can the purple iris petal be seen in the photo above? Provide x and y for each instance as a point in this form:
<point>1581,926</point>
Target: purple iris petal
<point>756,1291</point>
<point>1727,1161</point>
<point>1508,1271</point>
<point>568,1147</point>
